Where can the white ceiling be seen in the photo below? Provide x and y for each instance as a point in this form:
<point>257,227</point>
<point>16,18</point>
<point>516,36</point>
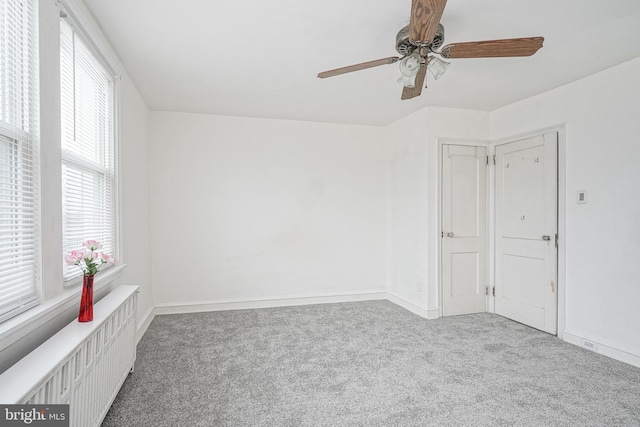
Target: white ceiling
<point>259,58</point>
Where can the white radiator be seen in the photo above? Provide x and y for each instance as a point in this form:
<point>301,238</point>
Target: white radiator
<point>83,365</point>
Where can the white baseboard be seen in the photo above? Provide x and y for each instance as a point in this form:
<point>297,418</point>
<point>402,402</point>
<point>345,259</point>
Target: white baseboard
<point>196,307</point>
<point>144,323</point>
<point>598,347</point>
<point>422,312</point>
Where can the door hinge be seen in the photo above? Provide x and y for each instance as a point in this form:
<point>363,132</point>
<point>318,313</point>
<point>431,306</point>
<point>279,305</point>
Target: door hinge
<point>556,240</point>
<point>487,159</point>
<point>494,159</point>
<point>442,234</point>
<point>486,290</point>
<point>494,291</point>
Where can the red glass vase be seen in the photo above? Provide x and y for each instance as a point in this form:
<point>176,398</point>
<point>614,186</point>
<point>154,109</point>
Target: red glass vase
<point>86,302</point>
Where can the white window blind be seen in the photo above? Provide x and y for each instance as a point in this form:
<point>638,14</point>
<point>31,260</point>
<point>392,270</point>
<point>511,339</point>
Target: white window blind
<point>88,179</point>
<point>19,151</point>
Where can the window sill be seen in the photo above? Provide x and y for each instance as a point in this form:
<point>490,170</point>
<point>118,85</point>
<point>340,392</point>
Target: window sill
<point>20,326</point>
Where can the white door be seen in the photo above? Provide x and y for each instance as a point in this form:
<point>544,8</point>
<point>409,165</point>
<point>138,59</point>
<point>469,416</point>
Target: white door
<point>464,175</point>
<point>526,227</point>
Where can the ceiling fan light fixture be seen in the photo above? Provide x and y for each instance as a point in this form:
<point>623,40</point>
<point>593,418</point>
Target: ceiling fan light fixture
<point>409,67</point>
<point>437,66</point>
<point>407,81</point>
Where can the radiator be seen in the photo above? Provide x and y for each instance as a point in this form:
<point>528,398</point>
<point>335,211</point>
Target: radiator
<point>84,365</point>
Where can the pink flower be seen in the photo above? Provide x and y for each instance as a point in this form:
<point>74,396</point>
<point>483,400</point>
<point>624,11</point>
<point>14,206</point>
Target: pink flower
<point>71,260</point>
<point>107,259</point>
<point>77,254</point>
<point>74,257</point>
<point>92,245</point>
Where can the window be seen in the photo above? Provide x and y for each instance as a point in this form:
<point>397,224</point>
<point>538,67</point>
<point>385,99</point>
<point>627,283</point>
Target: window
<point>19,165</point>
<point>88,178</point>
<point>70,181</point>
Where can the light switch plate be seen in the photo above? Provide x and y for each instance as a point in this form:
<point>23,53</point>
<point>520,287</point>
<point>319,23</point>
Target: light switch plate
<point>582,196</point>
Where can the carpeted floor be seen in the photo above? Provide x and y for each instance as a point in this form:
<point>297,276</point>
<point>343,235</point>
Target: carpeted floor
<point>367,364</point>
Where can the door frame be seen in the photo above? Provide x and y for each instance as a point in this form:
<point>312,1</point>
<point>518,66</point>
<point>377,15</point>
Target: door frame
<point>470,143</point>
<point>561,205</point>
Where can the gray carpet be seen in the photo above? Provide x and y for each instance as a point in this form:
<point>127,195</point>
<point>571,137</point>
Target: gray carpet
<point>367,364</point>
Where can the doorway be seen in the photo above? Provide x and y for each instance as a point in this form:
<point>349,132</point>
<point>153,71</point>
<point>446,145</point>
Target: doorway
<point>526,231</point>
<point>523,242</point>
<point>463,229</point>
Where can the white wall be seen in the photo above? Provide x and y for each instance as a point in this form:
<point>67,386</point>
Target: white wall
<point>134,196</point>
<point>256,209</point>
<point>602,241</point>
<point>408,210</point>
<point>414,199</point>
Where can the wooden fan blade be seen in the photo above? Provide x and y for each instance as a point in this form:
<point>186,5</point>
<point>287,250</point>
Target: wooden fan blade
<point>525,46</point>
<point>424,20</point>
<point>358,67</point>
<point>416,90</point>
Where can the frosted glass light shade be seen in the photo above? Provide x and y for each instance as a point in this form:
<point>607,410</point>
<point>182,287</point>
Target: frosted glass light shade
<point>437,66</point>
<point>409,67</point>
<point>407,81</point>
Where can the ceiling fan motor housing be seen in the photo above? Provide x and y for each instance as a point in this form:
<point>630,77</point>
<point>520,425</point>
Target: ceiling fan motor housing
<point>404,46</point>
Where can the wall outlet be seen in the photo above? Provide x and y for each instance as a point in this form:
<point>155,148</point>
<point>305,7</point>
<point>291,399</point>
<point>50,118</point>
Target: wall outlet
<point>590,345</point>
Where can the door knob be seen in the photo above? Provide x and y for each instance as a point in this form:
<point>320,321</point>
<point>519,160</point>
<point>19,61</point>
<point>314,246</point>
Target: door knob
<point>450,234</point>
<point>546,238</point>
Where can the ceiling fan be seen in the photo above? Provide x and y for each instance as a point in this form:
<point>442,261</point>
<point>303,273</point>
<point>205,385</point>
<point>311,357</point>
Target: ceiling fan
<point>418,43</point>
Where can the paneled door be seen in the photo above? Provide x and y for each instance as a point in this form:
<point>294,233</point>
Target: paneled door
<point>464,241</point>
<point>526,217</point>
